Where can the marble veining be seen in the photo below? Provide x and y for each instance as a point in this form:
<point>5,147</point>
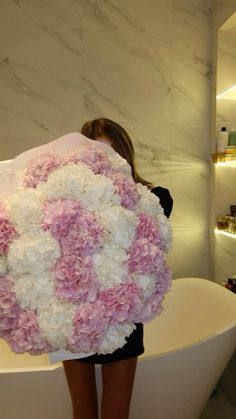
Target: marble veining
<point>145,64</point>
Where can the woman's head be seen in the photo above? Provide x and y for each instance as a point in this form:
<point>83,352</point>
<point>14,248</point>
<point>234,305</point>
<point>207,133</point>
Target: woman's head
<point>103,129</point>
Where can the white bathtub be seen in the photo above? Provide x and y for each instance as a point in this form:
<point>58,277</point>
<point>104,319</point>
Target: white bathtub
<point>187,350</point>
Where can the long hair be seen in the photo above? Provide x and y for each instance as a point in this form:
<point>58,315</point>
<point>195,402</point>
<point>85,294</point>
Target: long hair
<point>120,142</point>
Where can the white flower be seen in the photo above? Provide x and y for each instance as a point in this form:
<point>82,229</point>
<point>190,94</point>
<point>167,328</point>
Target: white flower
<point>41,190</point>
<point>146,282</point>
<point>121,164</point>
<point>34,292</point>
<point>99,191</point>
<point>25,209</point>
<point>3,265</point>
<point>148,202</point>
<point>110,265</point>
<point>121,224</point>
<point>77,181</point>
<point>57,322</point>
<point>33,253</point>
<point>66,182</point>
<point>115,338</point>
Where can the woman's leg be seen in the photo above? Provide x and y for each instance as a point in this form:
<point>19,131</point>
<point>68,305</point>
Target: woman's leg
<point>82,385</point>
<point>118,379</point>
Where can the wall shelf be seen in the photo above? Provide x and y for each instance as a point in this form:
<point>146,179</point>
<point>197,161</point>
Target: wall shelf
<point>225,233</point>
<point>231,163</point>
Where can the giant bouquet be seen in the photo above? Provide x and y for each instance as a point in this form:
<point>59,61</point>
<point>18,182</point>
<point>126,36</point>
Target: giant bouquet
<point>82,249</point>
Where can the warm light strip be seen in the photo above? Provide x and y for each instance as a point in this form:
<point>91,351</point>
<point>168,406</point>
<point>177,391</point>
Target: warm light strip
<point>226,163</point>
<point>225,233</point>
<point>226,91</point>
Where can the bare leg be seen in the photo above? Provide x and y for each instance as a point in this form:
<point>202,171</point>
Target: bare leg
<point>118,379</point>
<point>82,385</point>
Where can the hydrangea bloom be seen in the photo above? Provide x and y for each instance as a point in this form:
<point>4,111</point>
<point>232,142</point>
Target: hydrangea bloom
<point>7,232</point>
<point>39,168</point>
<point>82,251</point>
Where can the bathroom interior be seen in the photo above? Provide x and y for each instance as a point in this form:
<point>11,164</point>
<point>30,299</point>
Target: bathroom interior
<point>165,70</point>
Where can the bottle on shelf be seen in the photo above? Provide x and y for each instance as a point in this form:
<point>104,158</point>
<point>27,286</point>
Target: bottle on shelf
<point>231,283</point>
<point>234,283</point>
<point>233,210</point>
<point>230,152</point>
<point>222,140</point>
<point>232,137</point>
<point>227,222</point>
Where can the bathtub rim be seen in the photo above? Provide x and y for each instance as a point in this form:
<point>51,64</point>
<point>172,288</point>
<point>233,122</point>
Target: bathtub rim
<point>230,326</point>
<point>193,344</point>
<point>143,357</point>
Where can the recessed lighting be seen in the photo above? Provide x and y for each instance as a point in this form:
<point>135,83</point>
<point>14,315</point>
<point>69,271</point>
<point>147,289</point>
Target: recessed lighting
<point>229,93</point>
<point>226,163</point>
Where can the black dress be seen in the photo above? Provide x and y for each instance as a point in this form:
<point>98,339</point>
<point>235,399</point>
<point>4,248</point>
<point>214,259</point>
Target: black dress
<point>134,346</point>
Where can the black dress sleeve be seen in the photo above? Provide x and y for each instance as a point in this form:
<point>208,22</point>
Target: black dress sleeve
<point>165,197</point>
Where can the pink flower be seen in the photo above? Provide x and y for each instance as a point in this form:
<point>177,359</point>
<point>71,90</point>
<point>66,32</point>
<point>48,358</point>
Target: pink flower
<point>164,279</point>
<point>9,308</point>
<point>145,257</point>
<point>59,216</point>
<point>148,229</point>
<point>39,168</point>
<point>153,305</point>
<point>126,188</point>
<point>123,302</point>
<point>95,159</point>
<point>89,327</point>
<point>7,232</point>
<point>75,280</point>
<point>152,308</point>
<point>28,337</point>
<point>76,229</point>
<point>84,237</point>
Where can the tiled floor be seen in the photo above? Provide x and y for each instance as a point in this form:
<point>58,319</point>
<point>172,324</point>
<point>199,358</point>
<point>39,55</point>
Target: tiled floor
<point>218,407</point>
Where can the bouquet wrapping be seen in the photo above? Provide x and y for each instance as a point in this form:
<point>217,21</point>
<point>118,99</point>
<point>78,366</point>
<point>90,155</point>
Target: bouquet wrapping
<point>82,249</point>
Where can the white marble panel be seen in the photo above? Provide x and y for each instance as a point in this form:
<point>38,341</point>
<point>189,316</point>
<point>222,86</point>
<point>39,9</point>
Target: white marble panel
<point>226,64</point>
<point>226,114</point>
<point>192,17</point>
<point>152,17</point>
<point>225,261</point>
<point>191,53</point>
<point>145,64</point>
<point>190,249</point>
<point>191,72</point>
<point>43,14</point>
<point>226,60</point>
<point>188,182</point>
<point>225,191</point>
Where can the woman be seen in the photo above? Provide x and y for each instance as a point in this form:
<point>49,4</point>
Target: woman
<point>118,368</point>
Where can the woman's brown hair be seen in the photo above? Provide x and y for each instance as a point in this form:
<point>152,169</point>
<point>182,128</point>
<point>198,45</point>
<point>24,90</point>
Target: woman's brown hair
<point>120,141</point>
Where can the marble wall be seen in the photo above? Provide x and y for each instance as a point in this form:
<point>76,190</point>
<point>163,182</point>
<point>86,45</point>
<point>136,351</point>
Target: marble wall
<point>146,64</point>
